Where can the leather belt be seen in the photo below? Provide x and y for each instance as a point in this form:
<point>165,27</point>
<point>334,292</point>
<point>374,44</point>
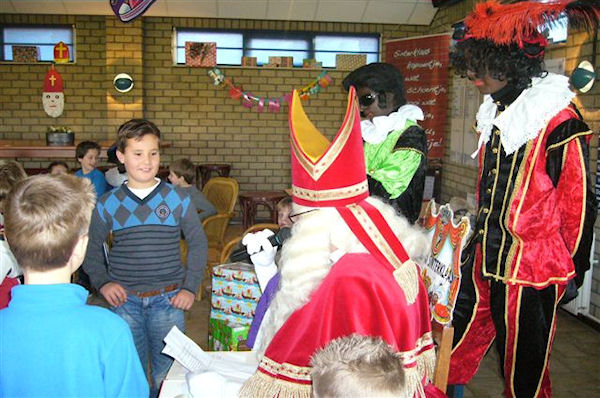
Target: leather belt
<point>152,293</point>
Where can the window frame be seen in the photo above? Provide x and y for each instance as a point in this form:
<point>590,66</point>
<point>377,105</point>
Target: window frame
<point>38,44</point>
<point>248,34</point>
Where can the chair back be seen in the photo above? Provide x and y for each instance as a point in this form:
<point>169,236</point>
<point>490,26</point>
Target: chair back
<point>222,192</point>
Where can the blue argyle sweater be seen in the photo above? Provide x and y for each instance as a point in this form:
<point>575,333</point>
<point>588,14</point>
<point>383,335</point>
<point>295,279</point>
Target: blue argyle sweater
<point>145,253</point>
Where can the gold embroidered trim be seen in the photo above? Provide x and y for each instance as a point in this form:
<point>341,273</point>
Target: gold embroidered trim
<point>317,169</point>
<point>580,134</point>
<point>406,273</point>
<point>264,385</point>
<point>286,369</point>
<point>584,199</point>
<point>331,194</point>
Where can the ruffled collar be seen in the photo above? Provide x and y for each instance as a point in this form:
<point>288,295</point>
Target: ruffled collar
<point>523,120</point>
<point>375,132</point>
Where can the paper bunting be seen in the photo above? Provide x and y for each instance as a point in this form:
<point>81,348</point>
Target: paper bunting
<point>262,103</point>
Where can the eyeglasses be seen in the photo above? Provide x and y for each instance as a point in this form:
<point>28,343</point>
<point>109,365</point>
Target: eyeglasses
<point>367,99</point>
<point>293,217</point>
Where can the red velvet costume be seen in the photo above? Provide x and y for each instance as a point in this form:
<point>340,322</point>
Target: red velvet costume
<point>533,234</point>
<point>378,293</point>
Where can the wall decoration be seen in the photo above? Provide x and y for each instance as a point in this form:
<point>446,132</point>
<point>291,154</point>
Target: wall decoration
<point>280,62</point>
<point>262,103</point>
<point>53,97</point>
<point>25,53</point>
<point>424,62</point>
<point>200,54</point>
<point>249,61</point>
<point>61,53</point>
<point>123,83</point>
<point>128,10</point>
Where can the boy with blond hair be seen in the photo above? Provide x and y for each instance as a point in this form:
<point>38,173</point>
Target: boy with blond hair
<point>358,366</point>
<point>11,172</point>
<point>53,344</point>
<point>182,173</point>
<point>145,282</point>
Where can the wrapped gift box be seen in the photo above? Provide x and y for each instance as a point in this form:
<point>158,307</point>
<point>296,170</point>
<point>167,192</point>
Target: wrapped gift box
<point>200,54</point>
<point>225,336</point>
<point>283,62</point>
<point>311,63</point>
<point>235,293</point>
<point>350,61</point>
<point>249,61</point>
<point>25,53</point>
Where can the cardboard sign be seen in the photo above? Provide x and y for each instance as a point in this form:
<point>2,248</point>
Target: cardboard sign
<point>441,274</point>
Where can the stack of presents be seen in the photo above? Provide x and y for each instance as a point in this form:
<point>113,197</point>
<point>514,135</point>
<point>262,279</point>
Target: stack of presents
<point>235,294</point>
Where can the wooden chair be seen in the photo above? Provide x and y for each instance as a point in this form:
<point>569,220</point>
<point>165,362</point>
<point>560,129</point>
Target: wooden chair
<point>442,336</point>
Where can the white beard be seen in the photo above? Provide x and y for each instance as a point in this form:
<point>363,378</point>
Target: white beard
<point>54,103</point>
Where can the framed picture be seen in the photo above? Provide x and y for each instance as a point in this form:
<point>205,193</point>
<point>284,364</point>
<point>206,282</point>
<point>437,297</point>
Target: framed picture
<point>25,53</point>
<point>201,54</point>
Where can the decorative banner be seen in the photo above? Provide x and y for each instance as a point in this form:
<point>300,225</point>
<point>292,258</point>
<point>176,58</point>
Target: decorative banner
<point>424,62</point>
<point>200,54</point>
<point>53,97</point>
<point>128,10</point>
<point>263,103</point>
<point>61,53</point>
<point>441,274</point>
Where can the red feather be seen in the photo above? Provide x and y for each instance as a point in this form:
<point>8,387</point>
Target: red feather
<point>519,22</point>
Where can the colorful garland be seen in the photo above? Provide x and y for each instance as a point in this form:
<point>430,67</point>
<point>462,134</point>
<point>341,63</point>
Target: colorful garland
<point>272,104</point>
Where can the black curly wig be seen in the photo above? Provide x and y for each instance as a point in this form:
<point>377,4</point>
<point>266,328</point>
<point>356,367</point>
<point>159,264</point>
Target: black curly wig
<point>501,62</point>
<point>379,77</point>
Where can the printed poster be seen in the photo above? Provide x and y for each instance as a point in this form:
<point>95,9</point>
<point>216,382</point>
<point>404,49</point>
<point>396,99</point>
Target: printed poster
<point>424,63</point>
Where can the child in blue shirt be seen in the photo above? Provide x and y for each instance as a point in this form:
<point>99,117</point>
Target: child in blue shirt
<point>87,153</point>
<point>53,344</point>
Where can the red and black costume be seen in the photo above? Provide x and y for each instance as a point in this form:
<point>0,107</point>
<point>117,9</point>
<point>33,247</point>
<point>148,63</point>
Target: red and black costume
<point>532,235</point>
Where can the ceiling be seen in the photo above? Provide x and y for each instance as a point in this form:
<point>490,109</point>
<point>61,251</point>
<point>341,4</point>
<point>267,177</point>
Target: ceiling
<point>413,12</point>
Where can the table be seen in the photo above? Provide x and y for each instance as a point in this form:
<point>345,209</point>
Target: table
<point>251,199</point>
<point>205,170</point>
<point>39,149</point>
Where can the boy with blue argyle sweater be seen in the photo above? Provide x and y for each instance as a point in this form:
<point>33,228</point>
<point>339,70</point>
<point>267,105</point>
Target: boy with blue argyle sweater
<point>144,280</point>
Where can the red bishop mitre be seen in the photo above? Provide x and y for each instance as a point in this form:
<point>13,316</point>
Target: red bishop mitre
<point>53,82</point>
<point>61,53</point>
<point>327,174</point>
<point>333,174</point>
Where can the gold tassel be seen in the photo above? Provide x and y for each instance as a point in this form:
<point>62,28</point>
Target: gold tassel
<point>265,386</point>
<point>407,276</point>
<point>426,364</point>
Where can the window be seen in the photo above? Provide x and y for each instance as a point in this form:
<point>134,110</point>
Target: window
<point>557,31</point>
<point>232,45</point>
<point>43,37</point>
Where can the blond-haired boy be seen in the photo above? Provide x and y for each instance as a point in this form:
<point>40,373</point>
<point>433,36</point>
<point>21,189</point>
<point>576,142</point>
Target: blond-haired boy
<point>145,282</point>
<point>358,366</point>
<point>182,173</point>
<point>53,344</point>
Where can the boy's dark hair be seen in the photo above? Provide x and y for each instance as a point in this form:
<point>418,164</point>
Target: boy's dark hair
<point>184,168</point>
<point>506,62</point>
<point>135,129</point>
<point>11,172</point>
<point>58,163</point>
<point>83,148</point>
<point>358,366</point>
<point>45,217</point>
<point>379,77</point>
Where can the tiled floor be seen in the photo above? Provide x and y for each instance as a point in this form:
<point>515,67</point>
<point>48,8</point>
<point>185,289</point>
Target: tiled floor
<point>574,366</point>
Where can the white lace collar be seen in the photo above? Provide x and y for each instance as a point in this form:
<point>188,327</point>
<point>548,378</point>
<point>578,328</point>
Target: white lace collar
<point>374,132</point>
<point>523,120</point>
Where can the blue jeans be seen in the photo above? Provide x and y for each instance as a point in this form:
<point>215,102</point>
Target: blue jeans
<point>150,319</point>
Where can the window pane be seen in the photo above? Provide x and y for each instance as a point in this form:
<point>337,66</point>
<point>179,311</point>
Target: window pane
<point>348,43</point>
<point>229,45</point>
<point>278,44</point>
<point>45,38</point>
<point>557,31</point>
